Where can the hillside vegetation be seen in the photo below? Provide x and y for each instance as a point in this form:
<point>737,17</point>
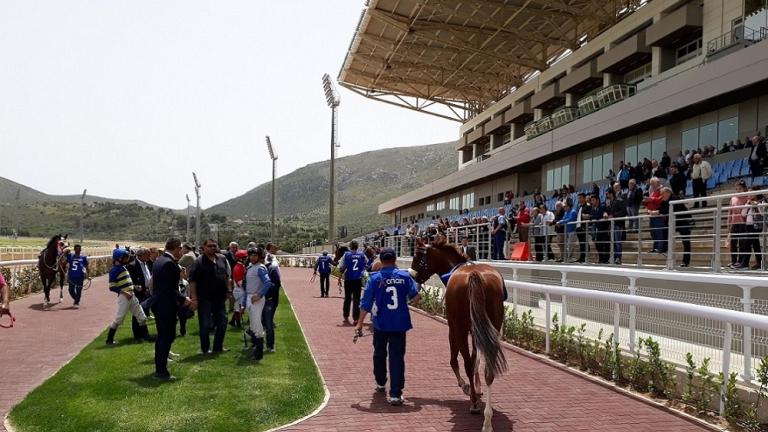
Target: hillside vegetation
<point>363,182</point>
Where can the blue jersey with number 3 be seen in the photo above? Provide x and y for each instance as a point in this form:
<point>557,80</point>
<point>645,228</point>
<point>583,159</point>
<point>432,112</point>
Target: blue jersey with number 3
<point>76,268</point>
<point>386,297</point>
<point>354,265</point>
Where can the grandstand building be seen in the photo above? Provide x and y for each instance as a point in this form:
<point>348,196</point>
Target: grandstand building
<point>559,92</point>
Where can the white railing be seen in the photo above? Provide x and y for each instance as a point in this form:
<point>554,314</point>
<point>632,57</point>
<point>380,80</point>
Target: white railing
<point>16,267</point>
<point>727,318</point>
<point>14,253</point>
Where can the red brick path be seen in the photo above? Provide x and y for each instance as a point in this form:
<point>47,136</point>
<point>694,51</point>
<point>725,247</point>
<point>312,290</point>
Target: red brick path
<point>42,341</point>
<point>532,396</point>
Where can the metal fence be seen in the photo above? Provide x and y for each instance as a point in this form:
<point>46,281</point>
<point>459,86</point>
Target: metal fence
<point>12,253</point>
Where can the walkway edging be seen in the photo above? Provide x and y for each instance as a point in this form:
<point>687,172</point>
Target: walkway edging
<point>326,397</point>
<point>597,380</point>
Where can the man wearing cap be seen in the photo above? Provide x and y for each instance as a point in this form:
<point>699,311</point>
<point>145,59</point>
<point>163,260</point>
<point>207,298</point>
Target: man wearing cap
<point>386,297</point>
<point>323,266</point>
<point>352,266</point>
<point>120,283</point>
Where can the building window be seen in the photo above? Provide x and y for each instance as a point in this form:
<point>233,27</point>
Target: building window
<point>468,200</point>
<point>453,203</point>
<point>440,205</point>
<point>727,130</point>
<point>658,147</point>
<point>558,176</point>
<point>690,139</point>
<point>500,197</point>
<point>597,162</point>
<point>638,75</point>
<point>707,135</point>
<point>430,208</point>
<point>482,202</point>
<point>506,138</point>
<point>688,51</point>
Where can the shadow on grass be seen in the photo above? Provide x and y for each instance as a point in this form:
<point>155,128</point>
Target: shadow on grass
<point>149,381</point>
<point>461,418</point>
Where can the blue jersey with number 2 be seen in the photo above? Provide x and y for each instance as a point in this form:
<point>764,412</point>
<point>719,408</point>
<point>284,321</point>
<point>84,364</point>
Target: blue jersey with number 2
<point>386,297</point>
<point>354,265</point>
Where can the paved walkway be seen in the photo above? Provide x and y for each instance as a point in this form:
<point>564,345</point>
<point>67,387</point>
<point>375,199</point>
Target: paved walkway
<point>532,396</point>
<point>42,341</point>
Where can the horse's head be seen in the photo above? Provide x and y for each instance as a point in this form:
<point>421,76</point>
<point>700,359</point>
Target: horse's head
<point>436,258</point>
<point>53,243</point>
<point>370,253</point>
<point>339,252</point>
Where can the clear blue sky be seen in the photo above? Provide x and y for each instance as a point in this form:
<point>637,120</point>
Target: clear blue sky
<point>127,98</point>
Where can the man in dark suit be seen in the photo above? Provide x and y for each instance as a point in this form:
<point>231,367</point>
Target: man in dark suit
<point>468,251</point>
<point>583,213</point>
<point>166,300</point>
<point>140,271</point>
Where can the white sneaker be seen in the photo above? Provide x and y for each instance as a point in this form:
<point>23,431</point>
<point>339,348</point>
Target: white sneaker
<point>396,401</point>
<point>76,306</point>
<point>380,389</point>
<point>272,350</point>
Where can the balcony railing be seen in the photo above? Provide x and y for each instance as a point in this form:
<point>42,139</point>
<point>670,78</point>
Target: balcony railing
<point>740,36</point>
<point>587,105</point>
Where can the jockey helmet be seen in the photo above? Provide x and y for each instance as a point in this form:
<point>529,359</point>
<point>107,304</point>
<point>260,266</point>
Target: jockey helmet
<point>118,254</point>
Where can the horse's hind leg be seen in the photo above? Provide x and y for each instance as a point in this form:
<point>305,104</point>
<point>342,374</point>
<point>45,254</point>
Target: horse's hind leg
<point>488,413</point>
<point>469,368</point>
<point>455,361</point>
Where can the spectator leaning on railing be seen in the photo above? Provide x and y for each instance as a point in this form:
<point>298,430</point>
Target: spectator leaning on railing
<point>657,223</point>
<point>634,197</point>
<point>568,221</point>
<point>560,230</point>
<point>683,223</point>
<point>601,236</point>
<point>754,218</point>
<point>617,208</point>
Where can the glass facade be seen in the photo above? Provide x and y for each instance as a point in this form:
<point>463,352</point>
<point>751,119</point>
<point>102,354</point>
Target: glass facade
<point>727,130</point>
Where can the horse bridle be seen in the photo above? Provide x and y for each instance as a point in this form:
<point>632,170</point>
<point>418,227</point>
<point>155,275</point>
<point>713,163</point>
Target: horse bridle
<point>421,264</point>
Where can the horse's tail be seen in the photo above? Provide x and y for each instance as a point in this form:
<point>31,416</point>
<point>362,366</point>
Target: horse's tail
<point>486,336</point>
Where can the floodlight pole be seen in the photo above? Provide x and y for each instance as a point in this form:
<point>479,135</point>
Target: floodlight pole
<point>273,156</point>
<point>17,208</point>
<point>82,216</point>
<point>197,211</point>
<point>186,238</point>
<point>333,100</point>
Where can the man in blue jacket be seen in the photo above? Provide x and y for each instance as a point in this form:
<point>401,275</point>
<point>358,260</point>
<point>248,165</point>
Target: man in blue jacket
<point>323,266</point>
<point>352,265</point>
<point>569,221</point>
<point>386,297</point>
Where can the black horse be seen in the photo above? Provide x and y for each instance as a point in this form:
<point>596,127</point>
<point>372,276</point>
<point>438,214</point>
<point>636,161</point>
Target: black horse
<point>51,263</point>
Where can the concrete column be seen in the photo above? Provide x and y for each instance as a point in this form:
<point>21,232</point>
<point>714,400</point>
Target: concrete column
<point>571,99</point>
<point>538,114</point>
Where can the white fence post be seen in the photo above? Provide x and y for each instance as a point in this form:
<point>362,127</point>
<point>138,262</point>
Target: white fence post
<point>547,326</point>
<point>726,364</point>
<point>746,303</point>
<point>632,315</point>
<point>564,302</point>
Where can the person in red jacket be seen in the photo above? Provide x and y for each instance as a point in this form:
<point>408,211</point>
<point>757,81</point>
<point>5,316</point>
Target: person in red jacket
<point>523,220</point>
<point>238,274</point>
<point>652,204</point>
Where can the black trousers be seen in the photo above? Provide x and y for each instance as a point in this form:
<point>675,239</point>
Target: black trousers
<point>699,190</point>
<point>602,242</point>
<point>738,243</point>
<point>166,334</point>
<point>352,289</point>
<point>392,343</point>
<point>685,236</point>
<point>751,245</point>
<point>325,281</point>
<point>581,235</point>
<point>141,296</point>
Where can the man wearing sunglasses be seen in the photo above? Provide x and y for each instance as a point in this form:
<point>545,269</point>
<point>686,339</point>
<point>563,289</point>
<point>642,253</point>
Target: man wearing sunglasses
<point>209,282</point>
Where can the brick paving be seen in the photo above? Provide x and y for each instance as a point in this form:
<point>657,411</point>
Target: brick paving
<point>531,396</point>
<point>42,341</point>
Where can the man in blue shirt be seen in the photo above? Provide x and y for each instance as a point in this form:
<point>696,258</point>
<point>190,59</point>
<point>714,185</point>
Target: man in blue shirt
<point>499,234</point>
<point>352,265</point>
<point>77,272</point>
<point>323,266</point>
<point>386,297</point>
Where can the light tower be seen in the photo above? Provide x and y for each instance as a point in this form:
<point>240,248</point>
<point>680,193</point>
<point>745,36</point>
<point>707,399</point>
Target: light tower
<point>197,211</point>
<point>273,156</point>
<point>333,100</point>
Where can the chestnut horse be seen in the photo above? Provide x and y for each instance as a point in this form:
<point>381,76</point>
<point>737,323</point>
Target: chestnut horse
<point>474,305</point>
<point>51,263</point>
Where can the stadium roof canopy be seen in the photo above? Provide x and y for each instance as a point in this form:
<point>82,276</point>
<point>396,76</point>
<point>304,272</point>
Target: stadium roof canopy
<point>454,58</point>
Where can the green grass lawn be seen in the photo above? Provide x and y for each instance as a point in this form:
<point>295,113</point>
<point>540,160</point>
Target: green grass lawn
<point>111,388</point>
